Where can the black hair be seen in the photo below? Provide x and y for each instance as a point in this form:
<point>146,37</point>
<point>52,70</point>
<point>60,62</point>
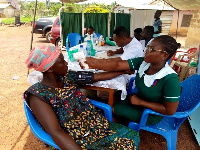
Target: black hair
<point>159,12</point>
<point>149,29</point>
<point>121,31</point>
<point>179,45</point>
<point>91,28</point>
<point>169,43</point>
<point>138,30</point>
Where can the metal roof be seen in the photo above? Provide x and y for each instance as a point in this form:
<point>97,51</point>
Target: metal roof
<point>184,4</point>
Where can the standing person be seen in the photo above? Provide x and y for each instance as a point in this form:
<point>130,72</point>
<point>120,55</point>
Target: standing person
<point>157,83</point>
<point>157,23</point>
<point>137,33</point>
<point>65,113</point>
<point>147,36</point>
<point>130,47</point>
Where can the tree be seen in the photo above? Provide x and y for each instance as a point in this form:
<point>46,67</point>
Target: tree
<point>95,9</point>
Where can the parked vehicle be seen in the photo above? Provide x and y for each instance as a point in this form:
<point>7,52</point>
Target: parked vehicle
<point>55,33</point>
<point>43,26</point>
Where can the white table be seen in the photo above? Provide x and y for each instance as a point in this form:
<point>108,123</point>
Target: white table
<point>118,83</point>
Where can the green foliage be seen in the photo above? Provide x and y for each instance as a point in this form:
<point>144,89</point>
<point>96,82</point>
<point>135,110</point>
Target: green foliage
<point>27,8</point>
<point>8,21</point>
<point>22,19</point>
<point>54,8</point>
<point>95,9</point>
<point>73,8</point>
<point>27,19</point>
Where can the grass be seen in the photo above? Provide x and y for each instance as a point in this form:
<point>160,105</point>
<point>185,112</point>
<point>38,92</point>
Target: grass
<point>22,19</point>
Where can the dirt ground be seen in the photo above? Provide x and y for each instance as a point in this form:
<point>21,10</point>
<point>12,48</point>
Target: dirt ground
<point>15,133</point>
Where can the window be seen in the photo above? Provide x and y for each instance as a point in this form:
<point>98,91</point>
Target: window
<point>186,20</point>
<point>58,22</point>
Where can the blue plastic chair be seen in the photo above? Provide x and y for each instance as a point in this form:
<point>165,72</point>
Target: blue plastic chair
<point>44,136</point>
<point>130,89</point>
<point>74,39</point>
<point>169,125</point>
<point>98,34</point>
<point>169,61</point>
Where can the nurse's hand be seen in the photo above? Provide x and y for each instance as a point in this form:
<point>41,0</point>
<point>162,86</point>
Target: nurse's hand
<point>90,62</point>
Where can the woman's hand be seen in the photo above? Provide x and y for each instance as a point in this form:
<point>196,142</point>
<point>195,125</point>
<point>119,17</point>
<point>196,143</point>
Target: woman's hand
<point>135,100</point>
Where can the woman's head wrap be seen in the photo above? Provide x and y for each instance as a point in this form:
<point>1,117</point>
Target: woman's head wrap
<point>41,58</point>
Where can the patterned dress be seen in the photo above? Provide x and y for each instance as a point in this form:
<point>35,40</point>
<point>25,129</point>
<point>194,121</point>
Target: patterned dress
<point>79,118</point>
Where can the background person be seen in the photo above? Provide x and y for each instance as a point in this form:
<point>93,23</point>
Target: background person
<point>157,23</point>
<point>147,36</point>
<point>157,83</point>
<point>88,35</point>
<point>65,113</point>
<point>137,33</point>
<point>130,47</point>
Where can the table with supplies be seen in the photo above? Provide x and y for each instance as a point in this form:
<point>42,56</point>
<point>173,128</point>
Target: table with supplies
<point>117,83</point>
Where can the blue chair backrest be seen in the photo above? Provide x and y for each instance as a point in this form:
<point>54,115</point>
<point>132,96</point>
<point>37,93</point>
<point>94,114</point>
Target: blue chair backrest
<point>98,35</point>
<point>74,39</point>
<point>37,129</point>
<point>44,136</point>
<point>190,95</point>
<point>169,61</point>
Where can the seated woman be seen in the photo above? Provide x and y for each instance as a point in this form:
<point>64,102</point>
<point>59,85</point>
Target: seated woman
<point>65,113</point>
<point>157,83</point>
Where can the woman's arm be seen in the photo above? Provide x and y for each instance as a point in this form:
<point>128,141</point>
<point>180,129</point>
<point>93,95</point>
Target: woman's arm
<point>118,65</point>
<point>168,108</point>
<point>47,118</point>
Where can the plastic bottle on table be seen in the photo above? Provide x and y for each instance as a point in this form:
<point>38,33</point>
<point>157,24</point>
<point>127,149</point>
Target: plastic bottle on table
<point>88,49</point>
<point>94,38</point>
<point>81,49</point>
<point>67,46</point>
<point>100,40</point>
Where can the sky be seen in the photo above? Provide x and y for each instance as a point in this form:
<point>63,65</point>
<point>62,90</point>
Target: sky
<point>125,2</point>
<point>108,2</point>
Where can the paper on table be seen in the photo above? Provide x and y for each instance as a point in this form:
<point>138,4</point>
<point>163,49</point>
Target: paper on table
<point>81,58</point>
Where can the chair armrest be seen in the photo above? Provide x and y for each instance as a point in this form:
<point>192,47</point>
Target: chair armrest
<point>106,108</point>
<point>181,56</point>
<point>147,112</point>
<point>177,114</point>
